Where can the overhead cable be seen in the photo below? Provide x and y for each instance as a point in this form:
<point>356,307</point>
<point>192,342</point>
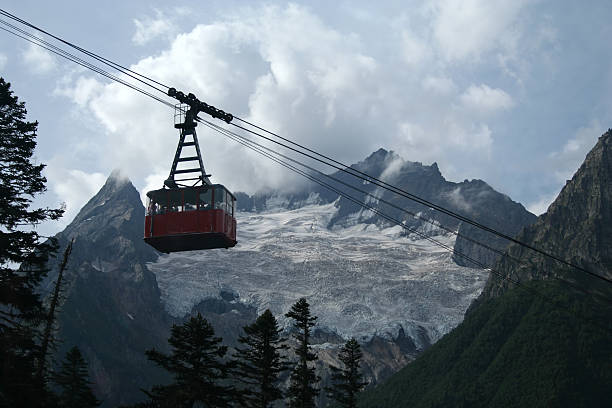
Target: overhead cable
<point>312,154</point>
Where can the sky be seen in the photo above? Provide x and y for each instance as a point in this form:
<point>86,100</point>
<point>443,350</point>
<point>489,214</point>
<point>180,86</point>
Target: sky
<point>511,92</point>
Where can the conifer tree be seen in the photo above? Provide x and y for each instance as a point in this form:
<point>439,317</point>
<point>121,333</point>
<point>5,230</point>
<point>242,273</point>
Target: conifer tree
<point>73,382</point>
<point>302,390</point>
<point>347,381</point>
<point>196,362</point>
<point>259,363</point>
<point>23,257</point>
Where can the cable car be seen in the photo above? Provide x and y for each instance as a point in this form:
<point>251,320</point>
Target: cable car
<point>190,218</point>
<point>184,217</point>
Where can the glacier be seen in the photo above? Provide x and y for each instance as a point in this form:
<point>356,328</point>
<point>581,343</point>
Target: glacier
<point>361,280</point>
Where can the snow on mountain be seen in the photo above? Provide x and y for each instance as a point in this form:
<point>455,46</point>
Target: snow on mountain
<point>361,280</point>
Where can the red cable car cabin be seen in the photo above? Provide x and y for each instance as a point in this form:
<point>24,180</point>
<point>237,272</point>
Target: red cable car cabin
<point>190,218</point>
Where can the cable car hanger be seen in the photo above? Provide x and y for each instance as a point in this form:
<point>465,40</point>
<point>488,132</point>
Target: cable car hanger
<point>187,124</point>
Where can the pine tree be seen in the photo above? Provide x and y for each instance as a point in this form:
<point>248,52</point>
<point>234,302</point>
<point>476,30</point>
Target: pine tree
<point>347,381</point>
<point>22,255</point>
<point>73,382</point>
<point>197,365</point>
<point>302,391</point>
<point>260,363</point>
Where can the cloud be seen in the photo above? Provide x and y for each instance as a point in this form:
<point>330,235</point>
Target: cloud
<point>468,28</point>
<point>3,60</point>
<point>415,50</point>
<point>484,99</point>
<point>149,28</point>
<point>540,206</point>
<point>439,85</point>
<point>73,187</point>
<point>38,60</point>
<point>458,199</point>
<point>82,91</point>
<point>566,161</point>
<point>286,69</point>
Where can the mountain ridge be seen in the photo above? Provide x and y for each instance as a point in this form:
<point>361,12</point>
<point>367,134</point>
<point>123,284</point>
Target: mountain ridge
<point>543,343</point>
<point>577,228</point>
<point>474,199</point>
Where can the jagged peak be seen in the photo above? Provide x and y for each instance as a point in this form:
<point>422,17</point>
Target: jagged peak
<point>117,187</point>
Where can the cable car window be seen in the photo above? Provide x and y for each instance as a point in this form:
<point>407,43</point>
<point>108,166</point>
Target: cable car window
<point>150,206</point>
<point>175,201</point>
<point>156,202</point>
<point>191,199</point>
<point>205,198</point>
<point>220,198</point>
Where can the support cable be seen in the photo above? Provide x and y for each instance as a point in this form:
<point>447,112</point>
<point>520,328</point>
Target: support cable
<point>236,136</point>
<point>97,57</point>
<point>327,160</point>
<point>518,283</point>
<point>70,57</point>
<point>363,176</point>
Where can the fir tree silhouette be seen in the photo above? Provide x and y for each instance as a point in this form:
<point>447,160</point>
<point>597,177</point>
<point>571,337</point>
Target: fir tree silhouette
<point>347,381</point>
<point>302,390</point>
<point>259,363</point>
<point>196,361</point>
<point>73,382</point>
<point>23,257</point>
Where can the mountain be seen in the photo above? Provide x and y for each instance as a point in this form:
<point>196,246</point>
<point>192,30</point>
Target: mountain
<point>396,292</point>
<point>473,199</point>
<point>543,343</point>
<point>112,310</point>
<point>577,226</point>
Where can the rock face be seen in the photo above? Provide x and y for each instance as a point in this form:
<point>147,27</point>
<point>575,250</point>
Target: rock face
<point>112,310</point>
<point>474,199</point>
<point>544,344</point>
<point>577,228</point>
<point>396,293</point>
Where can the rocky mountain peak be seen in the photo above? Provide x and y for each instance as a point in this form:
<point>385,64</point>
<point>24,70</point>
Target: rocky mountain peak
<point>386,163</point>
<point>112,305</point>
<point>577,227</point>
<point>116,206</point>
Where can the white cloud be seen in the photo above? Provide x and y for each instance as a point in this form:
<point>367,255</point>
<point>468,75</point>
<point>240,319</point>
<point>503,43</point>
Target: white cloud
<point>456,197</point>
<point>150,28</point>
<point>415,50</point>
<point>540,206</point>
<point>38,60</point>
<point>566,161</point>
<point>3,60</point>
<point>73,187</point>
<point>468,28</point>
<point>262,63</point>
<point>82,91</point>
<point>287,70</point>
<point>439,85</point>
<point>484,99</point>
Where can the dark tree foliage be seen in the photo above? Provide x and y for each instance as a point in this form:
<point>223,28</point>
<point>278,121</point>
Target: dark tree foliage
<point>73,382</point>
<point>347,381</point>
<point>196,360</point>
<point>259,363</point>
<point>22,255</point>
<point>302,391</point>
<point>541,345</point>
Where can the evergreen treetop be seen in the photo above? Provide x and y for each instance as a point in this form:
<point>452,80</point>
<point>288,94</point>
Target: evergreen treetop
<point>302,391</point>
<point>196,362</point>
<point>348,381</point>
<point>73,381</point>
<point>259,363</point>
<point>23,257</point>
